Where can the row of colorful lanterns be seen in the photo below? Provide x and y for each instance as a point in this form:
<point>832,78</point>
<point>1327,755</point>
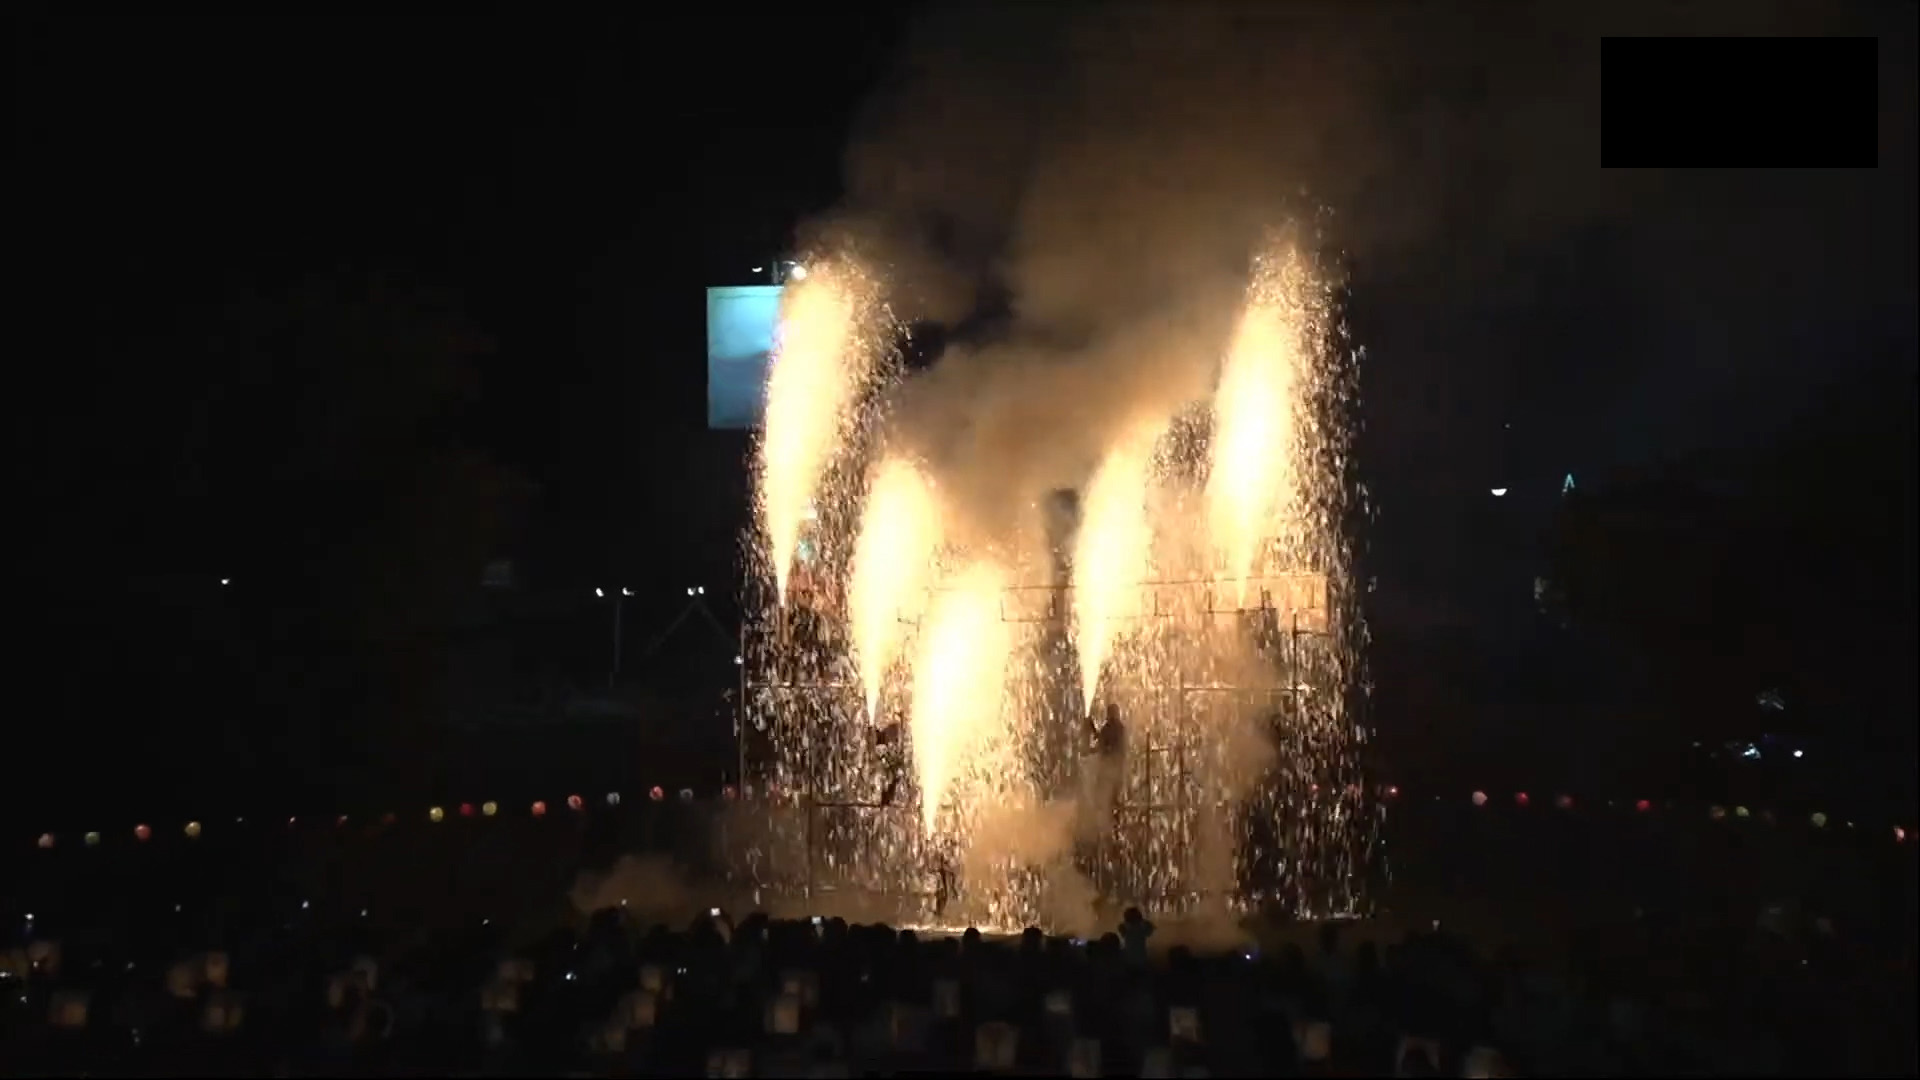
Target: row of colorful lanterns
<point>436,814</point>
<point>577,804</point>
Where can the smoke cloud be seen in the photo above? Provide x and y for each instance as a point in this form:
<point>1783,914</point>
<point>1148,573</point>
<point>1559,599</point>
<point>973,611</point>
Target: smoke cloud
<point>1105,169</point>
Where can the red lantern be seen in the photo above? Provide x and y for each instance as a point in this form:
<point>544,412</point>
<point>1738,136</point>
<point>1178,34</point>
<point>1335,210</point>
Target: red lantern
<point>539,808</point>
<point>1479,798</point>
<point>142,832</point>
<point>1521,799</point>
<point>575,802</point>
<point>729,792</point>
<point>466,809</point>
<point>656,793</point>
<point>340,821</point>
<point>1643,806</point>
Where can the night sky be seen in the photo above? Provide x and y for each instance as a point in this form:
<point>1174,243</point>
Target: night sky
<point>566,190</point>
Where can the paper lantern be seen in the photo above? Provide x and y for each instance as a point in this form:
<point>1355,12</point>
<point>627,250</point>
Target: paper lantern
<point>1083,1059</point>
<point>1717,813</point>
<point>143,832</point>
<point>1643,806</point>
<point>466,809</point>
<point>656,793</point>
<point>653,978</point>
<point>1564,802</point>
<point>1520,799</point>
<point>1899,835</point>
<point>92,839</point>
<point>686,794</point>
<point>1742,812</point>
<point>223,1014</point>
<point>214,967</point>
<point>340,822</point>
<point>639,1010</point>
<point>613,798</point>
<point>1479,798</point>
<point>1183,1023</point>
<point>193,830</point>
<point>995,1045</point>
<point>489,808</point>
<point>183,980</point>
<point>729,792</point>
<point>783,1015</point>
<point>69,1009</point>
<point>612,1038</point>
<point>1059,1003</point>
<point>575,802</point>
<point>1819,820</point>
<point>539,808</point>
<point>1313,1040</point>
<point>436,815</point>
<point>731,1063</point>
<point>46,840</point>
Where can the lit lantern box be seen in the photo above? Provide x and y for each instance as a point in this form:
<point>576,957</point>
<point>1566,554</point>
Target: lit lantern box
<point>43,957</point>
<point>500,996</point>
<point>1313,1040</point>
<point>183,980</point>
<point>946,999</point>
<point>223,1013</point>
<point>1083,1058</point>
<point>638,1010</point>
<point>783,1015</point>
<point>802,984</point>
<point>1183,1024</point>
<point>995,1045</point>
<point>214,969</point>
<point>69,1009</point>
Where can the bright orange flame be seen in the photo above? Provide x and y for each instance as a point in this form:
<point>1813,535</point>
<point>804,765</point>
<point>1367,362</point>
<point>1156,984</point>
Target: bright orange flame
<point>1251,483</point>
<point>892,565</point>
<point>1111,553</point>
<point>816,374</point>
<point>957,683</point>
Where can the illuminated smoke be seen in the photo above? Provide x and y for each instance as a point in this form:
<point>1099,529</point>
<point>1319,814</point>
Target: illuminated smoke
<point>1111,554</point>
<point>822,362</point>
<point>1253,480</point>
<point>958,680</point>
<point>893,557</point>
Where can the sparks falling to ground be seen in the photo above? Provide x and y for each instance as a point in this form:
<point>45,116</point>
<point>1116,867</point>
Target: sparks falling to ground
<point>1254,476</point>
<point>958,681</point>
<point>1111,553</point>
<point>821,364</point>
<point>892,565</point>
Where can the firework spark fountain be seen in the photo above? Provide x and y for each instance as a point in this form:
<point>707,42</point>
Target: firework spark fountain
<point>892,562</point>
<point>822,363</point>
<point>958,680</point>
<point>1112,551</point>
<point>1253,482</point>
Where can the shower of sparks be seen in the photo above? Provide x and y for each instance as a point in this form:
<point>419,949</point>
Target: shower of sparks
<point>1210,601</point>
<point>1111,554</point>
<point>1253,481</point>
<point>958,680</point>
<point>892,564</point>
<point>821,363</point>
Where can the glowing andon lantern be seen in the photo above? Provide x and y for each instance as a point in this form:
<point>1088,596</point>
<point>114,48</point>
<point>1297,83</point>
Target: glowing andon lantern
<point>92,839</point>
<point>1899,837</point>
<point>489,808</point>
<point>143,832</point>
<point>436,815</point>
<point>575,802</point>
<point>193,830</point>
<point>539,808</point>
<point>1717,813</point>
<point>46,840</point>
<point>1479,798</point>
<point>1564,802</point>
<point>686,794</point>
<point>466,809</point>
<point>1643,806</point>
<point>613,798</point>
<point>1742,812</point>
<point>1520,799</point>
<point>1819,820</point>
<point>656,793</point>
